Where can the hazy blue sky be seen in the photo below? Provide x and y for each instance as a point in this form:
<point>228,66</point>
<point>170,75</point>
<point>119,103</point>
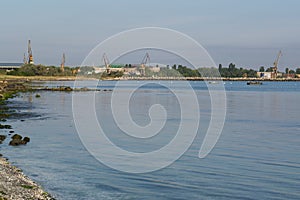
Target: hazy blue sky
<point>249,33</point>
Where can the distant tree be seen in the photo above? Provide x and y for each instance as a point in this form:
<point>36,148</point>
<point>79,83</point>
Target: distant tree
<point>269,69</point>
<point>174,66</point>
<point>220,67</point>
<point>251,73</point>
<point>231,66</point>
<point>298,71</point>
<point>287,70</point>
<point>262,69</point>
<point>187,72</point>
<point>41,70</point>
<point>292,71</point>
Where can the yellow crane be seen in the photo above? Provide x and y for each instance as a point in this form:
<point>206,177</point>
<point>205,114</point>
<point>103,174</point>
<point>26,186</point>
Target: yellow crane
<point>30,56</point>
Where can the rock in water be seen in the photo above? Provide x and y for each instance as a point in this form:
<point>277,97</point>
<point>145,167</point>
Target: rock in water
<point>16,136</point>
<point>17,140</point>
<point>26,139</point>
<point>2,138</point>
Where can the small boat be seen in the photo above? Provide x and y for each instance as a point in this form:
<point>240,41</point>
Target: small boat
<point>254,83</point>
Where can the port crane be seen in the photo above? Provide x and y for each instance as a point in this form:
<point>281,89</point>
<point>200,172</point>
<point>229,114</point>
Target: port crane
<point>30,56</point>
<point>62,65</point>
<point>24,59</point>
<point>106,62</point>
<point>145,60</point>
<point>275,65</point>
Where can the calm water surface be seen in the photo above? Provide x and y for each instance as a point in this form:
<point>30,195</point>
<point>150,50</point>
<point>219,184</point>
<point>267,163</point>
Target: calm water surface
<point>257,156</point>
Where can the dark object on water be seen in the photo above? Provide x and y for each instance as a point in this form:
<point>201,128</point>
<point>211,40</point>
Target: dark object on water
<point>26,139</point>
<point>254,83</point>
<point>213,82</point>
<point>11,131</point>
<point>16,137</point>
<point>17,140</point>
<point>5,126</point>
<point>2,137</point>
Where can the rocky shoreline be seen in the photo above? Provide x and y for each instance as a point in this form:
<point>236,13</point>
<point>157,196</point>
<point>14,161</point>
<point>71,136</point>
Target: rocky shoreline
<point>14,185</point>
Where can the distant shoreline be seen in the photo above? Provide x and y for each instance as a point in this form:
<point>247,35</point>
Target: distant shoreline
<point>205,79</point>
<point>74,78</point>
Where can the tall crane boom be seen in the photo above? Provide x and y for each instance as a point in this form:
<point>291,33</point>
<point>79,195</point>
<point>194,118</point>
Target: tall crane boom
<point>24,59</point>
<point>63,60</point>
<point>106,62</point>
<point>275,68</point>
<point>145,60</point>
<point>30,56</point>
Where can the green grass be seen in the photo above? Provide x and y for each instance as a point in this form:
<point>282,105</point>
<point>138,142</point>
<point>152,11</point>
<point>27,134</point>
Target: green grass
<point>27,186</point>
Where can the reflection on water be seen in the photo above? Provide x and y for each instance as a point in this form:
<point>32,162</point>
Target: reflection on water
<point>257,156</point>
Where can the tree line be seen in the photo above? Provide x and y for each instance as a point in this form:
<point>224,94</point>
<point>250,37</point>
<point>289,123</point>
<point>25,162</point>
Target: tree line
<point>169,71</point>
<point>231,72</point>
<point>287,70</point>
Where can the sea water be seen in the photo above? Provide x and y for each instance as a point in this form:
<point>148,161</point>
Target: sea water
<point>256,157</point>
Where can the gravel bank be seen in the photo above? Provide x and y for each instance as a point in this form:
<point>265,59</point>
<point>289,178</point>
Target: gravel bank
<point>14,185</point>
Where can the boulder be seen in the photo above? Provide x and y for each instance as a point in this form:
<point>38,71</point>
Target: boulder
<point>5,126</point>
<point>26,139</point>
<point>2,138</point>
<point>69,89</point>
<point>17,140</point>
<point>16,137</point>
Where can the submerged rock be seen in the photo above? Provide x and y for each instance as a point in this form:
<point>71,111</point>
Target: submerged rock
<point>26,139</point>
<point>2,138</point>
<point>16,137</point>
<point>17,140</point>
<point>5,126</point>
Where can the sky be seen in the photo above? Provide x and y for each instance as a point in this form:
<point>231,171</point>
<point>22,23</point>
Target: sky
<point>247,33</point>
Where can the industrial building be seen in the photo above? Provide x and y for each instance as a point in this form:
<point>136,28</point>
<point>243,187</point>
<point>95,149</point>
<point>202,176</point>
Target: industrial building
<point>10,66</point>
